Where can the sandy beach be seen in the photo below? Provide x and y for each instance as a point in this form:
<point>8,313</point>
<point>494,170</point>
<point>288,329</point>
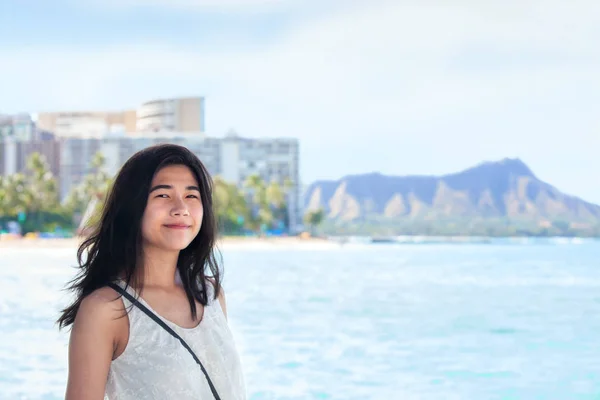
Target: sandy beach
<point>223,243</point>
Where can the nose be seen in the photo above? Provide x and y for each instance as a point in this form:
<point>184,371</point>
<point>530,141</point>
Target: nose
<point>180,209</point>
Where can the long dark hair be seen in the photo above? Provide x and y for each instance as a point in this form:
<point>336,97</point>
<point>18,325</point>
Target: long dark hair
<point>113,248</point>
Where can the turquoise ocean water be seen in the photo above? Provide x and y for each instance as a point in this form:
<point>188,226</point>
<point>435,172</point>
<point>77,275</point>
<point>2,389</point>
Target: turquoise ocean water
<point>500,320</point>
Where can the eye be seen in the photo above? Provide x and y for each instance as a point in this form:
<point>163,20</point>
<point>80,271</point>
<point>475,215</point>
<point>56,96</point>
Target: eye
<point>193,196</point>
<point>163,195</point>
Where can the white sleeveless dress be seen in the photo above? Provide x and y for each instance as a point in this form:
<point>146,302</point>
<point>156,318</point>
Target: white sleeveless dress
<point>155,365</point>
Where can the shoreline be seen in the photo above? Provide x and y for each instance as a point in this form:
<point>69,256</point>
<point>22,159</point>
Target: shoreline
<point>304,243</point>
<point>229,242</point>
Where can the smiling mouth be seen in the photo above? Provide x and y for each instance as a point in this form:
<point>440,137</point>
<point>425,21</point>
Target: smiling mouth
<point>177,226</point>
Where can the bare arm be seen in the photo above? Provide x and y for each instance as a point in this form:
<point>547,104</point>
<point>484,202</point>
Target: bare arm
<point>92,345</point>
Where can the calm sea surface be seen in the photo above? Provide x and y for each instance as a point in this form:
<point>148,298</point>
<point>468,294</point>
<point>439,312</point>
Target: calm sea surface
<point>438,321</point>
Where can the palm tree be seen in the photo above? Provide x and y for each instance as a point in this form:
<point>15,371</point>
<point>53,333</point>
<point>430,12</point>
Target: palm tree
<point>261,215</point>
<point>314,218</point>
<point>98,182</point>
<point>275,195</point>
<point>256,186</point>
<point>6,206</point>
<point>21,196</point>
<point>230,205</point>
<point>16,197</point>
<point>277,200</point>
<point>42,194</point>
<point>42,183</point>
<point>220,197</point>
<point>93,189</point>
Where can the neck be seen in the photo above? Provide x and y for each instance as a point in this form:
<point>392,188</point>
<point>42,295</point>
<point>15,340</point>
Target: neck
<point>159,267</point>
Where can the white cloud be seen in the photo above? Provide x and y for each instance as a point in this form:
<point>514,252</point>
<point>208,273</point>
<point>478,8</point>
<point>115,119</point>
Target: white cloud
<point>393,86</point>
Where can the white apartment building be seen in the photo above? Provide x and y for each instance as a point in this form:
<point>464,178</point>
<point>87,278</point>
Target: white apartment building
<point>163,115</point>
<point>183,115</point>
<point>19,127</point>
<point>19,138</point>
<point>233,158</point>
<point>86,124</point>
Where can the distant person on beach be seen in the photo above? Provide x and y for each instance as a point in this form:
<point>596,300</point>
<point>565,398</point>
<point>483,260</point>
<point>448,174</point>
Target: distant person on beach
<point>149,318</point>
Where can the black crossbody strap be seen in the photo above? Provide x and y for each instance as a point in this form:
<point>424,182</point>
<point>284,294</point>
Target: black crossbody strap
<point>166,327</point>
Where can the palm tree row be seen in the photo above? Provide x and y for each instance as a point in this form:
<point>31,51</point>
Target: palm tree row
<point>255,207</point>
<point>32,198</point>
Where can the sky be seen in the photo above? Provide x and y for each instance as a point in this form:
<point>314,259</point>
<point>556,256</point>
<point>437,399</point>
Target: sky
<point>398,87</point>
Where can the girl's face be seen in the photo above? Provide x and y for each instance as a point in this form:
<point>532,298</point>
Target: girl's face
<point>173,214</point>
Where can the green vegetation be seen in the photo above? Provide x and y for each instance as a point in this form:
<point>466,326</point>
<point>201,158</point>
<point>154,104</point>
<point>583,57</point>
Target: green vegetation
<point>313,219</point>
<point>32,199</point>
<point>258,207</point>
<point>490,227</point>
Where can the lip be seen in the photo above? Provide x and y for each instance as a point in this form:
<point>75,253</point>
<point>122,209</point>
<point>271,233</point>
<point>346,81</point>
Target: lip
<point>177,226</point>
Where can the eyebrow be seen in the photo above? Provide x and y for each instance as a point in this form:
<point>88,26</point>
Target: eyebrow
<point>157,187</point>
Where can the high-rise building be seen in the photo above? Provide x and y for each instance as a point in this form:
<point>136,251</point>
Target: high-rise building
<point>233,158</point>
<point>19,138</point>
<point>86,124</point>
<point>19,127</point>
<point>181,115</point>
<point>165,115</point>
<point>273,159</point>
<point>118,135</point>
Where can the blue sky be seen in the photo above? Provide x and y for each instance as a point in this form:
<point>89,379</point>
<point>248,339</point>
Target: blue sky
<point>399,87</point>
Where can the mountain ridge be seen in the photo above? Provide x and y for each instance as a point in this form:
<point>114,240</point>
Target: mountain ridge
<point>507,188</point>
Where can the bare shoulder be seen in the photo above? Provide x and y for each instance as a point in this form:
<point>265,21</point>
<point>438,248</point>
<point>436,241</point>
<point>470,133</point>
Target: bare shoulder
<point>101,304</point>
<point>101,313</point>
